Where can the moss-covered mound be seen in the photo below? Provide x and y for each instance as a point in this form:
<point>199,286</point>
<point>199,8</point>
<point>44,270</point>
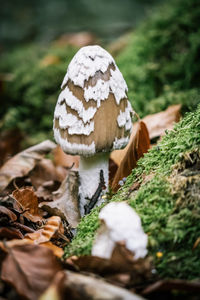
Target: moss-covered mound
<point>162,61</point>
<point>167,201</point>
<point>31,77</point>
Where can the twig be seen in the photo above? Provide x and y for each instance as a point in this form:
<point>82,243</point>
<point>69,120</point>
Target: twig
<point>95,197</point>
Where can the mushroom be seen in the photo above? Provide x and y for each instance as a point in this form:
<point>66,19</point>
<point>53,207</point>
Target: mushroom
<point>92,117</point>
<point>119,223</point>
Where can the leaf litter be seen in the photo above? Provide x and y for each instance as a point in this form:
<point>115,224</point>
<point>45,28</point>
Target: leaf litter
<point>38,210</point>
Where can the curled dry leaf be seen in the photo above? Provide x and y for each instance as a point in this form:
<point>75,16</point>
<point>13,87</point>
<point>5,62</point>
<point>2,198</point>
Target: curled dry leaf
<point>158,123</point>
<point>4,211</point>
<point>65,202</point>
<point>5,246</point>
<point>52,227</point>
<point>27,202</point>
<point>127,158</point>
<point>10,233</point>
<point>71,285</point>
<point>22,163</point>
<point>30,269</point>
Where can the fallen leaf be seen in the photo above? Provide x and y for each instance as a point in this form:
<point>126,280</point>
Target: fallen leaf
<point>22,163</point>
<point>4,211</point>
<point>65,160</point>
<point>26,241</point>
<point>127,158</point>
<point>27,202</point>
<point>65,202</point>
<point>75,286</point>
<point>30,269</point>
<point>10,233</point>
<point>121,263</point>
<point>52,227</point>
<point>23,227</point>
<point>158,123</point>
<point>173,285</point>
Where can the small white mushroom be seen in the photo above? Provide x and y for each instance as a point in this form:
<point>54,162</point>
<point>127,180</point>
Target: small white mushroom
<point>120,223</point>
<point>92,117</point>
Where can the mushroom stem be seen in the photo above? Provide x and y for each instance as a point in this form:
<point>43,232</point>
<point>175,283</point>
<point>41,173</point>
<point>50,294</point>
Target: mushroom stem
<point>90,169</point>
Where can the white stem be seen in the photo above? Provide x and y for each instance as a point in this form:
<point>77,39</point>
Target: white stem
<point>89,176</point>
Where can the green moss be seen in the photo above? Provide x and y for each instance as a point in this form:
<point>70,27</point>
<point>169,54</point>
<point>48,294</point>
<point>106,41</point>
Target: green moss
<point>82,243</point>
<point>161,62</point>
<point>172,228</point>
<point>29,97</point>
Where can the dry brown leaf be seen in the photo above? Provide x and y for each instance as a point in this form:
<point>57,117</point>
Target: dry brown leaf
<point>121,262</point>
<point>160,288</point>
<point>65,202</point>
<point>10,233</point>
<point>26,241</point>
<point>4,211</point>
<point>138,145</point>
<point>22,163</point>
<point>49,230</point>
<point>158,123</point>
<point>65,160</point>
<point>30,269</point>
<point>27,202</point>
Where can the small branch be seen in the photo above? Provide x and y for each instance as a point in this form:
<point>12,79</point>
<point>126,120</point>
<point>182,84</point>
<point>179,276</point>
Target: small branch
<point>95,197</point>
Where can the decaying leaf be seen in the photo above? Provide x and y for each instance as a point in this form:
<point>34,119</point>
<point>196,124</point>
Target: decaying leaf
<point>127,158</point>
<point>5,246</point>
<point>27,202</point>
<point>52,227</point>
<point>65,202</point>
<point>4,211</point>
<point>158,123</point>
<point>30,269</point>
<point>74,286</point>
<point>22,163</point>
<point>121,268</point>
<point>172,285</point>
<point>10,233</point>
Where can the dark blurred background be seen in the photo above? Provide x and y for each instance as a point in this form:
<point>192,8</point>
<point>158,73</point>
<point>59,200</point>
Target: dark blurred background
<point>24,21</point>
<point>156,44</point>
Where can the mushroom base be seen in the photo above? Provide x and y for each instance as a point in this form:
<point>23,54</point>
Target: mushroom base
<point>93,177</point>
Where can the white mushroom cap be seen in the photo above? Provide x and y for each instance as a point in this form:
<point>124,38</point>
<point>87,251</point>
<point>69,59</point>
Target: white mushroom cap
<point>92,113</point>
<point>120,224</point>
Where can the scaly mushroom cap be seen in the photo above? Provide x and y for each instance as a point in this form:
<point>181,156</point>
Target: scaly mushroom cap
<point>92,113</point>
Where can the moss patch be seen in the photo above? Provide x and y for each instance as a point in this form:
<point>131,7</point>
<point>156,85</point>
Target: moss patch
<point>161,63</point>
<point>29,96</point>
<point>172,224</point>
